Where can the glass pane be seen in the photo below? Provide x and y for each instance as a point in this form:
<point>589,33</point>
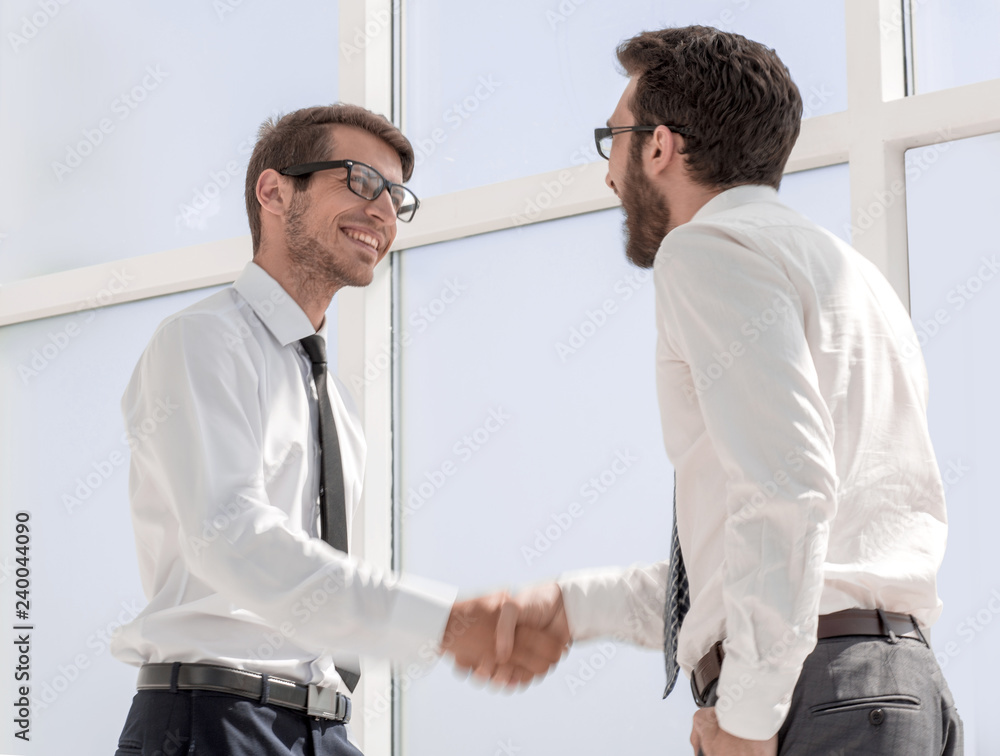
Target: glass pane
<point>523,94</point>
<point>823,195</point>
<point>955,42</point>
<point>149,114</point>
<point>548,336</point>
<point>65,462</point>
<point>64,459</point>
<point>955,302</point>
<point>527,370</point>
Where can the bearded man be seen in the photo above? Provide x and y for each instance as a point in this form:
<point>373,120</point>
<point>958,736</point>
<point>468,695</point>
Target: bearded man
<point>809,517</point>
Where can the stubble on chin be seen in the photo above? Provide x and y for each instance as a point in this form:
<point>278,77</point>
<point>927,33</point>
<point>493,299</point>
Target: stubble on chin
<point>320,270</point>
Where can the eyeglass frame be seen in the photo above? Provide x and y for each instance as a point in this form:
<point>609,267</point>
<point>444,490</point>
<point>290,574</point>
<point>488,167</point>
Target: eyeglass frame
<point>601,132</point>
<point>306,169</point>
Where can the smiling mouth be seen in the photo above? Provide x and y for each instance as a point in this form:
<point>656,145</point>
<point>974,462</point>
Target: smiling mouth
<point>363,238</point>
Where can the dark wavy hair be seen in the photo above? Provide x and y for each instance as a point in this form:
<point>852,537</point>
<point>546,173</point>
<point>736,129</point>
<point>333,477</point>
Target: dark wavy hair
<point>734,95</point>
<point>304,136</point>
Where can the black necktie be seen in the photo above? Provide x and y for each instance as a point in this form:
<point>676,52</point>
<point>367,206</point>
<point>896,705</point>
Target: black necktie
<point>333,501</point>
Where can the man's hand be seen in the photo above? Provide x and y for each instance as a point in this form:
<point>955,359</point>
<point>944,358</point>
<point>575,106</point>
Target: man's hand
<point>539,608</point>
<point>481,636</point>
<point>708,739</point>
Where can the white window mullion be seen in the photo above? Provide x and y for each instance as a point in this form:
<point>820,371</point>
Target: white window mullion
<point>532,199</point>
<point>364,325</point>
<point>878,203</point>
<point>128,280</point>
<point>875,73</point>
<point>943,115</point>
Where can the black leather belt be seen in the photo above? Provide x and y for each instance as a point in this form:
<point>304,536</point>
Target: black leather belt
<point>310,699</point>
<point>876,622</point>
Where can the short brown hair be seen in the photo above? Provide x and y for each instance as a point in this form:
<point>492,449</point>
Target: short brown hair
<point>304,136</point>
<point>734,95</point>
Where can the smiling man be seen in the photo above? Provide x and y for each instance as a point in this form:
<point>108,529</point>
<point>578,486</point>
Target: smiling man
<point>241,498</point>
<point>809,513</point>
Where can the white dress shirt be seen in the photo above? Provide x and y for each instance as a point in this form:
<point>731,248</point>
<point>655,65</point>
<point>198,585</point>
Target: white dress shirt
<point>793,398</point>
<point>224,486</point>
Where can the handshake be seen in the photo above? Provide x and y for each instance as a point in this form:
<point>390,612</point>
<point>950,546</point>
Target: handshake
<point>508,641</point>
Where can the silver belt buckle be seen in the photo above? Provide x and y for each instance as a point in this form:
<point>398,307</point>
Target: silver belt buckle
<point>328,704</point>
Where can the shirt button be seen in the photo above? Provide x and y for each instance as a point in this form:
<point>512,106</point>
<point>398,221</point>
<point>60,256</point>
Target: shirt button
<point>876,716</point>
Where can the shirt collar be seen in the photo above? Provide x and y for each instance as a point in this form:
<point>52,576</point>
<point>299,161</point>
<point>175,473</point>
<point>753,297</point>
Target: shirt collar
<point>739,195</point>
<point>275,307</point>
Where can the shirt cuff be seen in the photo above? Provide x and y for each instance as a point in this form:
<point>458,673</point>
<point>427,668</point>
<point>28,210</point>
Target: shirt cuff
<point>596,605</point>
<point>420,616</point>
<point>752,704</point>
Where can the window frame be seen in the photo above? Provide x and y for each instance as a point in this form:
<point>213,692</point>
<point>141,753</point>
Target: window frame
<point>872,135</point>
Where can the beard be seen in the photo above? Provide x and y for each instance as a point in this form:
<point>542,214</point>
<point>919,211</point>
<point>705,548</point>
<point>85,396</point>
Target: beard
<point>647,217</point>
<point>320,265</point>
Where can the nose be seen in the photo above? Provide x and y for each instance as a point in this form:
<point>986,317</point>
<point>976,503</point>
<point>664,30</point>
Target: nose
<point>381,208</point>
<point>611,184</point>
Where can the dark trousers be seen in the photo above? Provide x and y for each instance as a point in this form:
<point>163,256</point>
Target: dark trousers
<point>201,723</point>
<point>865,696</point>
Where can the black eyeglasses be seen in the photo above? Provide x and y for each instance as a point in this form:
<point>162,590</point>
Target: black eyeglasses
<point>365,182</point>
<point>604,135</point>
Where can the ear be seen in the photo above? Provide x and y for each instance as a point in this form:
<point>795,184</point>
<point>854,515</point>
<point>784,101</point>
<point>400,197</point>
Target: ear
<point>661,151</point>
<point>274,192</point>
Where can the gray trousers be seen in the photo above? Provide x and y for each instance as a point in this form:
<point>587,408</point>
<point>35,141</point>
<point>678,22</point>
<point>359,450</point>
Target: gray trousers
<point>161,723</point>
<point>861,696</point>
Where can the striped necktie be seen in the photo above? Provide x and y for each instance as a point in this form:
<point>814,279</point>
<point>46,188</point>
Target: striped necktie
<point>677,604</point>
